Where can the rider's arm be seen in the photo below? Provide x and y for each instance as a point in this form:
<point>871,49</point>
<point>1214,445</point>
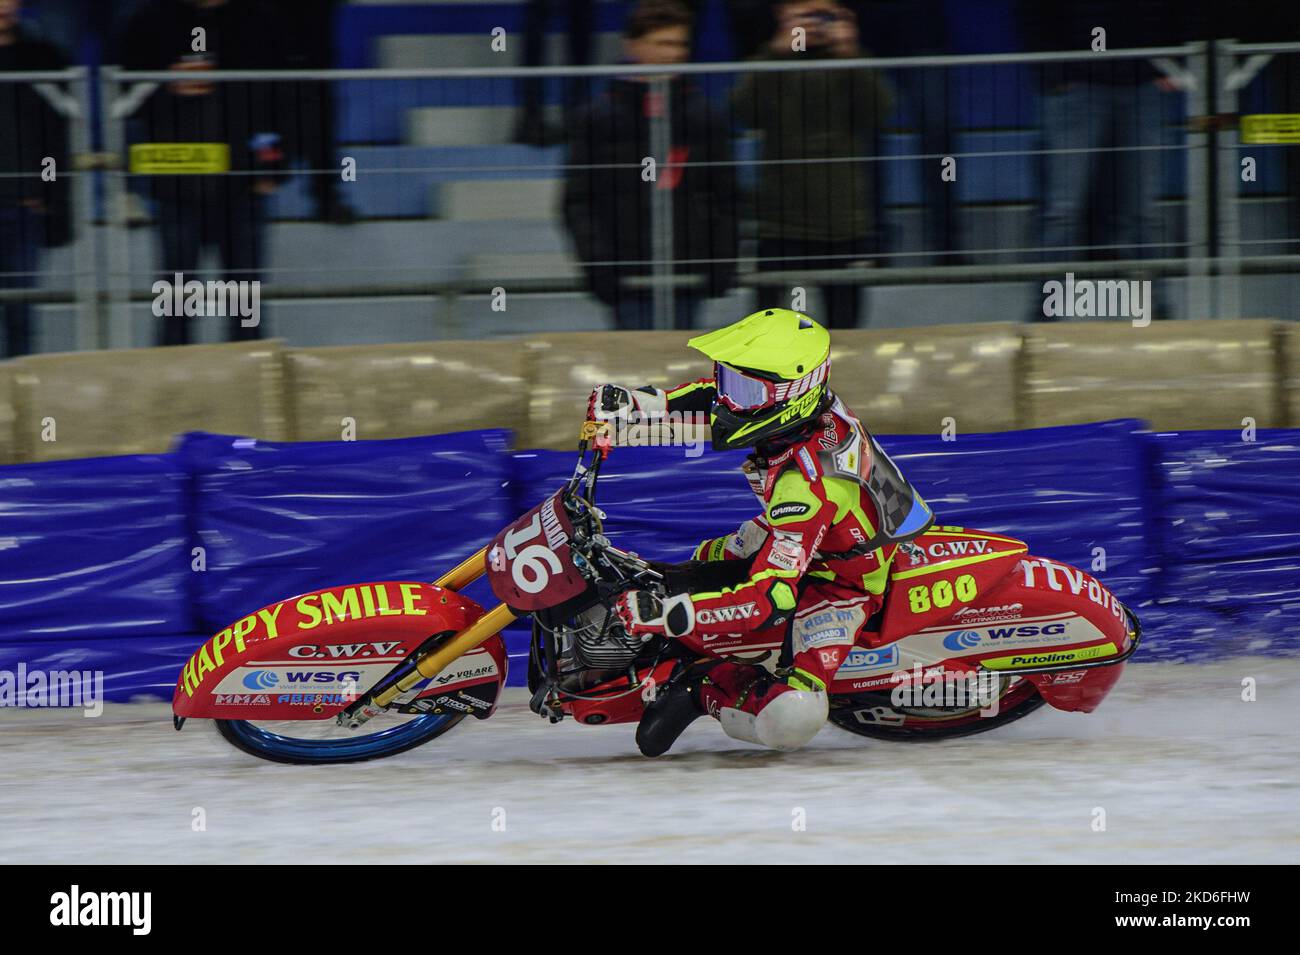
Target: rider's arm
<point>692,396</point>
<point>798,517</point>
<point>746,541</point>
<point>647,401</point>
<point>765,595</point>
<point>719,562</point>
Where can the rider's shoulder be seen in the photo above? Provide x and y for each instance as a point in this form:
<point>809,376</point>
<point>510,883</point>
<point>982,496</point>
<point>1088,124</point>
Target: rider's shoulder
<point>799,461</point>
<point>834,429</point>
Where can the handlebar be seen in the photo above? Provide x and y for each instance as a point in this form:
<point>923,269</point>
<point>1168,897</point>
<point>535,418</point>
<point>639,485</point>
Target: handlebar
<point>600,560</point>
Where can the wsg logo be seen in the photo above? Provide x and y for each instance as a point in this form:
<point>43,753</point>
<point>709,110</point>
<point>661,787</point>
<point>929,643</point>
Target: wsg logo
<point>1050,630</point>
<point>966,639</point>
<point>260,680</point>
<point>961,640</point>
<point>267,679</point>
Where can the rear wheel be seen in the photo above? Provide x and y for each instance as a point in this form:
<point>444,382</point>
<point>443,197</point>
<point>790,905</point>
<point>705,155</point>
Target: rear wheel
<point>875,715</point>
<point>324,741</point>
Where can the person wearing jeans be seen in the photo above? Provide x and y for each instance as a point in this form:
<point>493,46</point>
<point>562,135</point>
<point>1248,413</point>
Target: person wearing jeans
<point>1078,121</point>
<point>1102,107</point>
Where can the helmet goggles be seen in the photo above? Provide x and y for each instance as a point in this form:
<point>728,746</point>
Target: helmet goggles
<point>743,392</point>
<point>746,391</point>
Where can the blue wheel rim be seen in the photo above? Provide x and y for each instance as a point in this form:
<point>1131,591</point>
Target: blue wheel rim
<point>361,747</point>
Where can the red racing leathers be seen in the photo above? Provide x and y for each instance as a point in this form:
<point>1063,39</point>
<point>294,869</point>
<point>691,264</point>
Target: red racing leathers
<point>833,510</point>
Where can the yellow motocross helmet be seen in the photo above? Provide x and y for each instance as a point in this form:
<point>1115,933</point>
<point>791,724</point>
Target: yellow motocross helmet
<point>770,369</point>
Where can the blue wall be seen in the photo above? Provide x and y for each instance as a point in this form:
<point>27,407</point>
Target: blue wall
<point>1201,530</point>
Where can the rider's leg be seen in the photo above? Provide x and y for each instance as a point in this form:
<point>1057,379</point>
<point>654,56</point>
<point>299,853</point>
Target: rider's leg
<point>695,693</point>
<point>782,712</point>
<point>787,712</point>
<point>758,707</point>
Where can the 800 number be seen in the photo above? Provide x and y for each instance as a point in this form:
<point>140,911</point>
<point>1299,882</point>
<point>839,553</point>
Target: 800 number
<point>941,593</point>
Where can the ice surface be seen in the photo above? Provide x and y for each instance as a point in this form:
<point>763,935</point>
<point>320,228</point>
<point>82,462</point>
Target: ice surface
<point>1184,770</point>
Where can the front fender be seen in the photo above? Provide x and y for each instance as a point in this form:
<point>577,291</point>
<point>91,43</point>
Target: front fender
<point>308,656</point>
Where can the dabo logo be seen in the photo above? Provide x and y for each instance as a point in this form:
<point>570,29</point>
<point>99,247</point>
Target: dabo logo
<point>862,660</point>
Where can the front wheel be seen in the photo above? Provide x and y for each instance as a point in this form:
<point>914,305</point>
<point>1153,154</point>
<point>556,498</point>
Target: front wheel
<point>875,715</point>
<point>318,741</point>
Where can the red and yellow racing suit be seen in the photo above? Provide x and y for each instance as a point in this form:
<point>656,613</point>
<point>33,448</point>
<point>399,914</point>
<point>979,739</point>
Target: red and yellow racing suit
<point>834,509</point>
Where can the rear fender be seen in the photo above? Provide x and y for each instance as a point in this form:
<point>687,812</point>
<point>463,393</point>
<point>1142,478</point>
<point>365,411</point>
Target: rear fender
<point>1083,688</point>
<point>964,598</point>
<point>307,657</point>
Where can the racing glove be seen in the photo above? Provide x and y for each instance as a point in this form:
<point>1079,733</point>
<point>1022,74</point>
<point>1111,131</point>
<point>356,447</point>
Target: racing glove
<point>644,611</point>
<point>608,402</point>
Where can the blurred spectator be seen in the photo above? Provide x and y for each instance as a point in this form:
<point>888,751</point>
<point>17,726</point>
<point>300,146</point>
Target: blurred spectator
<point>608,210</point>
<point>308,108</point>
<point>751,24</point>
<point>33,213</point>
<point>532,128</point>
<point>225,211</point>
<point>1090,105</point>
<point>815,198</point>
<point>1265,21</point>
<point>929,97</point>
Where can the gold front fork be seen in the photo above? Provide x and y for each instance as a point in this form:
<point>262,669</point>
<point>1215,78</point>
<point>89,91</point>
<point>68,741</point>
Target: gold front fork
<point>481,630</point>
<point>466,572</point>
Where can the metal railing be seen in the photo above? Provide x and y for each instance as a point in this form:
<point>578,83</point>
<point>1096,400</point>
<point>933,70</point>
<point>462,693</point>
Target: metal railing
<point>1204,243</point>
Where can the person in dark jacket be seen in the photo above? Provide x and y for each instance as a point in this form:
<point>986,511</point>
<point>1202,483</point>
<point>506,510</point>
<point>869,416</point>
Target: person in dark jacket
<point>217,208</point>
<point>929,95</point>
<point>532,128</point>
<point>815,201</point>
<point>310,105</point>
<point>608,201</point>
<point>33,211</point>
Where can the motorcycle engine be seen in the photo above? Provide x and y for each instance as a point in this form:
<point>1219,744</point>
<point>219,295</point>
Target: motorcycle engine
<point>602,643</point>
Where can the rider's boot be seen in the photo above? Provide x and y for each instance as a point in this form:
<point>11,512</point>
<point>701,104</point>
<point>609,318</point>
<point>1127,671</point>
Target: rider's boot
<point>750,703</point>
<point>757,707</point>
<point>673,710</point>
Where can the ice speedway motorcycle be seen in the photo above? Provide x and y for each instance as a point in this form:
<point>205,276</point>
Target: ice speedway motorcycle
<point>369,670</point>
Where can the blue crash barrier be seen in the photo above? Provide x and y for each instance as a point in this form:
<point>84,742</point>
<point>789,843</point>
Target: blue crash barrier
<point>95,548</point>
<point>125,564</point>
<point>1230,541</point>
<point>277,519</point>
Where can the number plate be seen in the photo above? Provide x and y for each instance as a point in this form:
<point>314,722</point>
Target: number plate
<point>530,566</point>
